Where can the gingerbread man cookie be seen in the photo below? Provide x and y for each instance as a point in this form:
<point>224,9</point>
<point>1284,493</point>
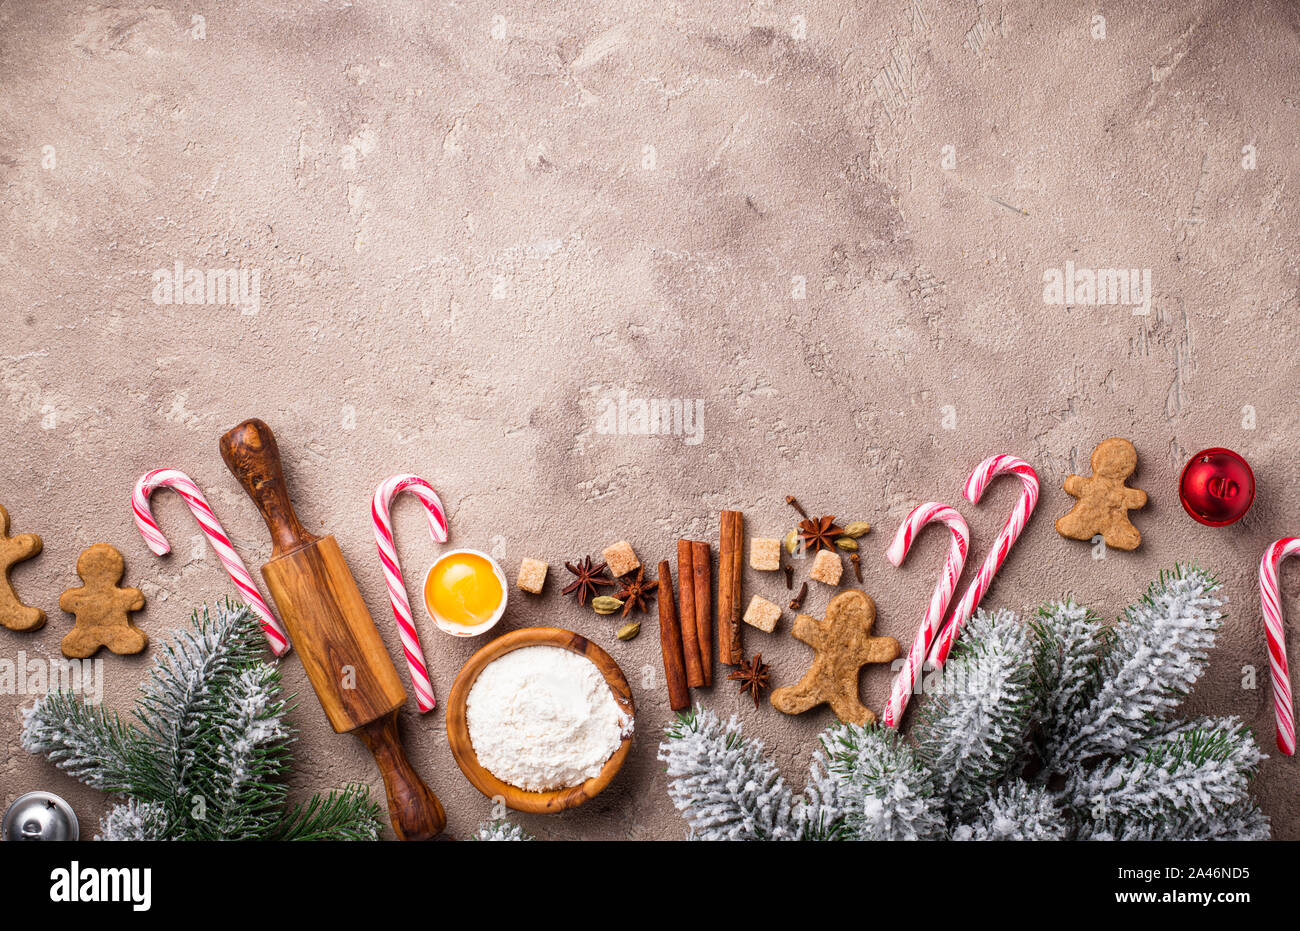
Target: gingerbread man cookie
<point>1104,500</point>
<point>13,613</point>
<point>103,610</point>
<point>844,645</point>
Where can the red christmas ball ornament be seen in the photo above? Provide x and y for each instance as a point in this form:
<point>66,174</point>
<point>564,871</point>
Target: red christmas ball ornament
<point>1217,487</point>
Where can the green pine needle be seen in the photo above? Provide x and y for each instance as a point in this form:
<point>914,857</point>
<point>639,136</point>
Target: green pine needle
<point>343,815</point>
<point>210,755</point>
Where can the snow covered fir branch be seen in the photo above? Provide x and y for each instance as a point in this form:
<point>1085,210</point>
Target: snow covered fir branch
<point>500,830</point>
<point>208,755</point>
<point>1059,728</point>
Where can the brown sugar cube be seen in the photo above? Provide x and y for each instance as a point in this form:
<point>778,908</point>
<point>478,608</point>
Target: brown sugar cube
<point>764,554</point>
<point>762,614</point>
<point>621,559</point>
<point>827,567</point>
<point>532,576</point>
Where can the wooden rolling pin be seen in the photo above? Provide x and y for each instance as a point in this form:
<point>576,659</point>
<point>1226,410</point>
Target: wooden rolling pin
<point>332,631</point>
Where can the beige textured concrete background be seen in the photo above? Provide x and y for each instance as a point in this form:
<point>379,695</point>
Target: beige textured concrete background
<point>474,221</point>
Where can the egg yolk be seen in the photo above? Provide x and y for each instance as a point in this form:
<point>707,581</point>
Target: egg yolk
<point>463,589</point>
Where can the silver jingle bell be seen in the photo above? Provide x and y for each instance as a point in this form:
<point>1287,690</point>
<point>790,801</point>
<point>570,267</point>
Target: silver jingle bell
<point>39,816</point>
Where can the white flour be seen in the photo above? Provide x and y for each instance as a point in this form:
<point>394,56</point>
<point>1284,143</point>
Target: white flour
<point>544,718</point>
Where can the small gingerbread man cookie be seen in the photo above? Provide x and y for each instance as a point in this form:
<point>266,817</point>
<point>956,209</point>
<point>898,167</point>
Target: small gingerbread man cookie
<point>1104,500</point>
<point>102,609</point>
<point>844,645</point>
<point>13,613</point>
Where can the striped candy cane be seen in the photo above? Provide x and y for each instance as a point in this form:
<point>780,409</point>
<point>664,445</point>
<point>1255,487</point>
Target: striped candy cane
<point>979,480</point>
<point>184,486</point>
<point>1270,599</point>
<point>908,531</point>
<point>388,489</point>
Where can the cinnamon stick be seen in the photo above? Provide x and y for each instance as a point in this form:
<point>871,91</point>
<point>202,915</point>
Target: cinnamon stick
<point>702,564</point>
<point>724,586</point>
<point>686,614</point>
<point>670,642</point>
<point>731,551</point>
<point>737,575</point>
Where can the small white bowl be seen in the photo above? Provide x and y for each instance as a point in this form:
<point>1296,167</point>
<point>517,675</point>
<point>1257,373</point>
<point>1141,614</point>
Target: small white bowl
<point>460,630</point>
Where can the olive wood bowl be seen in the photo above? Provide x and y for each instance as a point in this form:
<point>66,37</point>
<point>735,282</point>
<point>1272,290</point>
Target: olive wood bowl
<point>462,748</point>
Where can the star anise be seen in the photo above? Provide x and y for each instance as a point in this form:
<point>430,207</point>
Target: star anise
<point>635,591</point>
<point>589,579</point>
<point>819,533</point>
<point>753,677</point>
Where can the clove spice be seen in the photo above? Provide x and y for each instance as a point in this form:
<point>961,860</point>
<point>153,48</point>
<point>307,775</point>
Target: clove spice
<point>797,603</point>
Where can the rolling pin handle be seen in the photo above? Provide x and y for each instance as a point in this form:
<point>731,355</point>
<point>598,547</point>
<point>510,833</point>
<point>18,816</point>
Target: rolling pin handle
<point>253,457</point>
<point>414,810</point>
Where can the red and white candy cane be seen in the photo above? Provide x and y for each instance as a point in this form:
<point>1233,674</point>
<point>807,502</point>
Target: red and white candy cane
<point>908,531</point>
<point>979,480</point>
<point>184,486</point>
<point>1270,599</point>
<point>388,489</point>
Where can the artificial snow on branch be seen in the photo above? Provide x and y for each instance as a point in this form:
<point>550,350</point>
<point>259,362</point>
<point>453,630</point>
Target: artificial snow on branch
<point>1057,729</point>
<point>882,790</point>
<point>500,830</point>
<point>1016,811</point>
<point>1146,666</point>
<point>723,784</point>
<point>973,731</point>
<point>210,754</point>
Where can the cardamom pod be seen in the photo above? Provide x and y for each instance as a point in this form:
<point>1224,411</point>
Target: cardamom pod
<point>606,604</point>
<point>792,541</point>
<point>857,528</point>
<point>629,631</point>
<point>848,544</point>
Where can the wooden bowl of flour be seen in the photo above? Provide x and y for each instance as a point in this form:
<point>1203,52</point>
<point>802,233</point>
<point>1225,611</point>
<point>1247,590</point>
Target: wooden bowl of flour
<point>462,747</point>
